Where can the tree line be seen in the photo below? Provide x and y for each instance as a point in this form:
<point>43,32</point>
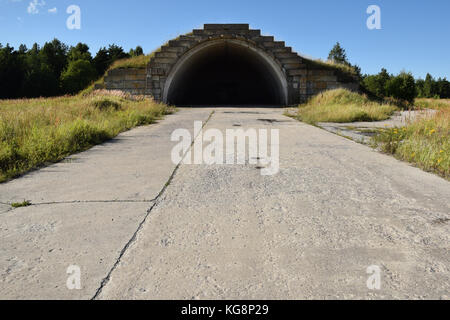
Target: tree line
<point>402,86</point>
<point>54,69</point>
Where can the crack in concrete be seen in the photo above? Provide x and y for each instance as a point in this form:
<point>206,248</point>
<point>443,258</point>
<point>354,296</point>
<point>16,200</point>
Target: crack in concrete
<point>75,202</point>
<point>141,224</point>
<point>92,201</point>
<point>11,208</point>
<point>8,210</point>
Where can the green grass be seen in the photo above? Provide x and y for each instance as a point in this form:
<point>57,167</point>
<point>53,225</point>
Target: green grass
<point>424,142</point>
<point>341,105</point>
<point>34,132</point>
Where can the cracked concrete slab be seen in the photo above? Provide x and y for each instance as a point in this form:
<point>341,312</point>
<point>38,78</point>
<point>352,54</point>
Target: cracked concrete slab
<point>4,208</point>
<point>363,131</point>
<point>78,222</point>
<point>309,232</point>
<point>39,244</point>
<point>399,119</point>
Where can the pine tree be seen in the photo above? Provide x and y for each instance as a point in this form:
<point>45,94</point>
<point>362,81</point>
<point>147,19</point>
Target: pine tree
<point>428,86</point>
<point>79,52</point>
<point>136,52</point>
<point>101,61</point>
<point>338,55</point>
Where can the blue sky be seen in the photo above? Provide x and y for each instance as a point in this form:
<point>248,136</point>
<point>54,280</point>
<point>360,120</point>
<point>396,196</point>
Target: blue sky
<point>414,37</point>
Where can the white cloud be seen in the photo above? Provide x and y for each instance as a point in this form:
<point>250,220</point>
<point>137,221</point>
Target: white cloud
<point>53,10</point>
<point>33,7</point>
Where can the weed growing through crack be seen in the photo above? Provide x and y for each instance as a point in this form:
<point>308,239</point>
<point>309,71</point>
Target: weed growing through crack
<point>25,203</point>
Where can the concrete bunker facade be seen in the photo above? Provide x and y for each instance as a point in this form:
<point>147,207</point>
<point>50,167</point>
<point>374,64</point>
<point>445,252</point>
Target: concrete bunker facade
<point>229,64</point>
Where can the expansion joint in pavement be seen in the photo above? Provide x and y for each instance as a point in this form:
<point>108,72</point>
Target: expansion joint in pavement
<point>141,224</point>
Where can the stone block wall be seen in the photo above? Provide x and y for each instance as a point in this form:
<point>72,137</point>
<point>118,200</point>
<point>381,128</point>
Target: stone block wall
<point>131,80</point>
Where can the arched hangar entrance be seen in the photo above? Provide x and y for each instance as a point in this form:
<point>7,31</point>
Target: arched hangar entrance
<point>228,64</point>
<point>226,72</point>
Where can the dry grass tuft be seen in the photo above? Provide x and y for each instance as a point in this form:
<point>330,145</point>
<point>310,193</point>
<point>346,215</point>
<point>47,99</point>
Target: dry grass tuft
<point>133,62</point>
<point>342,105</point>
<point>438,104</point>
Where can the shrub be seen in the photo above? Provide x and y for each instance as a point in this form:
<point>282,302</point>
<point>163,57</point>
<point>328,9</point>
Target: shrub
<point>402,86</point>
<point>79,75</point>
<point>376,84</point>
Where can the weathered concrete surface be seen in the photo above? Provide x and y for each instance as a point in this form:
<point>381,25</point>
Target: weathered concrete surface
<point>335,208</point>
<point>85,211</point>
<point>4,208</point>
<point>38,244</point>
<point>311,231</point>
<point>363,131</point>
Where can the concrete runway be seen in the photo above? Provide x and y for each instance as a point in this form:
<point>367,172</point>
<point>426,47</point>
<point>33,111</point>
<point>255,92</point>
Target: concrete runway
<point>141,227</point>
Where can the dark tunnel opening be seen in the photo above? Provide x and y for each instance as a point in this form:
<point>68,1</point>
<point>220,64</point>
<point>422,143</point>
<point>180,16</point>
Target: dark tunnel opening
<point>225,74</point>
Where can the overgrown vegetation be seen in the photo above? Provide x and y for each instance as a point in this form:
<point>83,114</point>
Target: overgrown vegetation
<point>38,131</point>
<point>341,105</point>
<point>344,72</point>
<point>424,142</point>
<point>437,104</point>
<point>132,62</point>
